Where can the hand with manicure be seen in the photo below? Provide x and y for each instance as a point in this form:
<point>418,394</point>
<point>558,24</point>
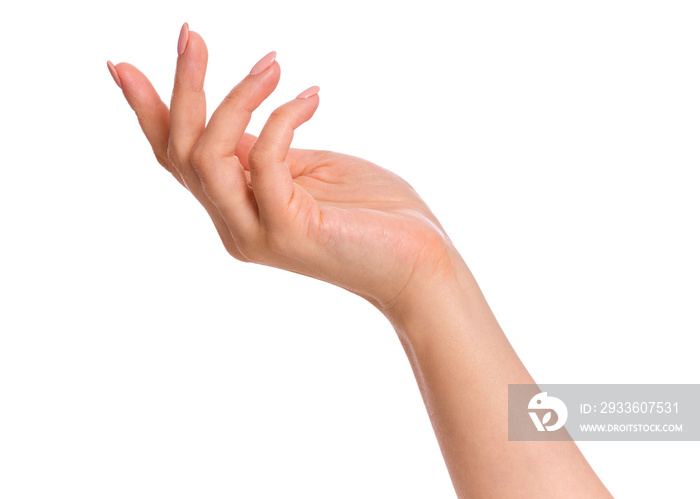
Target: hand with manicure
<point>349,222</point>
<point>330,216</point>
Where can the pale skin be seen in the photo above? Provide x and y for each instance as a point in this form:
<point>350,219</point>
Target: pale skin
<point>354,224</point>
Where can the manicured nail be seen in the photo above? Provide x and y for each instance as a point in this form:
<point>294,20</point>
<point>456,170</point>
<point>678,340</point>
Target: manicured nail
<point>309,92</point>
<point>263,63</point>
<point>115,75</point>
<point>184,38</point>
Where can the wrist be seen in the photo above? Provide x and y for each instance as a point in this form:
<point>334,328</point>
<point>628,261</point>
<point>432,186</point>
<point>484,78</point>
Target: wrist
<point>444,298</point>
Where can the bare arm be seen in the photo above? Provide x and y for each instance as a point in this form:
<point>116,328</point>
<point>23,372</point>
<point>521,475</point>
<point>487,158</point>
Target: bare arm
<point>351,223</point>
<point>463,364</point>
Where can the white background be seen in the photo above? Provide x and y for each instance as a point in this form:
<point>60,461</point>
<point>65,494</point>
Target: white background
<point>556,141</point>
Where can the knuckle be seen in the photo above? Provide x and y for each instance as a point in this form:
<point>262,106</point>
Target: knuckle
<point>177,88</point>
<point>276,241</point>
<point>280,114</point>
<point>239,99</point>
<point>248,249</point>
<point>244,249</point>
<point>200,159</point>
<point>233,97</point>
<point>256,157</point>
<point>236,253</point>
<point>170,154</point>
<point>152,101</point>
<point>175,154</point>
<point>261,154</point>
<point>162,160</point>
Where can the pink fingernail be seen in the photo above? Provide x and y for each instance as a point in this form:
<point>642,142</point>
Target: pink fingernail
<point>115,75</point>
<point>184,38</point>
<point>263,63</point>
<point>309,92</point>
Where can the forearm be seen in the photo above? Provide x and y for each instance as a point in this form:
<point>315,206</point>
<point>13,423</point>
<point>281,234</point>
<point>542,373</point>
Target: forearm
<point>463,364</point>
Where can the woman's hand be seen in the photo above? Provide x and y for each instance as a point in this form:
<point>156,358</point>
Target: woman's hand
<point>326,215</point>
<point>352,223</point>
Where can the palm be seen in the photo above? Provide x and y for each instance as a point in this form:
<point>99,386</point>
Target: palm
<point>362,216</point>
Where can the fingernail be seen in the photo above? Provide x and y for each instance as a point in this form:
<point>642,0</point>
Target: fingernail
<point>263,63</point>
<point>184,38</point>
<point>309,92</point>
<point>115,75</point>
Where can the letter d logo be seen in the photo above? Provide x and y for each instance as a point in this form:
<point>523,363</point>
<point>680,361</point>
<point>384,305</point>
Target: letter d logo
<point>542,401</point>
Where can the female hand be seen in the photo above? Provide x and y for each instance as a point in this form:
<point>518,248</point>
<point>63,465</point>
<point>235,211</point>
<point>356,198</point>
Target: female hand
<point>326,215</point>
<point>354,224</point>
